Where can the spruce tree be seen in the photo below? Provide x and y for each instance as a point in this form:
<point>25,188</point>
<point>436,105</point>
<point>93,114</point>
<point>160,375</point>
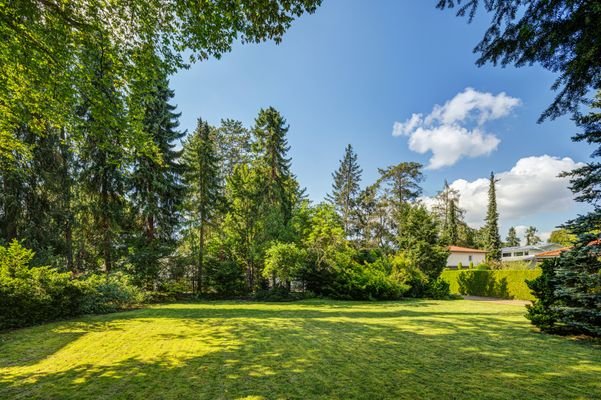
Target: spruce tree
<point>156,184</point>
<point>203,200</point>
<point>346,190</point>
<point>512,239</point>
<point>492,237</point>
<point>103,160</point>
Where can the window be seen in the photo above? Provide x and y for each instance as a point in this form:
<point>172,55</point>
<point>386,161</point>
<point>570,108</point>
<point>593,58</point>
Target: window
<point>525,253</point>
<point>518,254</point>
<point>470,258</point>
<point>506,255</point>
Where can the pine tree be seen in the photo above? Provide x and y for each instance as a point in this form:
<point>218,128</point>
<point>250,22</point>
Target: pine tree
<point>492,238</point>
<point>531,237</point>
<point>512,239</point>
<point>156,187</point>
<point>203,200</point>
<point>346,190</point>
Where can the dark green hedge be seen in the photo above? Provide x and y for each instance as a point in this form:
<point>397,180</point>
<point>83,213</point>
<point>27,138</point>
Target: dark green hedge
<point>506,284</point>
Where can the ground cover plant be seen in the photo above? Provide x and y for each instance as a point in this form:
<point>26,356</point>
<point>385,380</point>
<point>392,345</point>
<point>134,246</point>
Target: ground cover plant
<point>308,349</point>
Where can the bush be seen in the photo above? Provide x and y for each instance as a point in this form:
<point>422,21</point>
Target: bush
<point>31,295</point>
<point>438,289</point>
<point>471,265</point>
<point>459,265</point>
<point>108,293</point>
<point>541,312</point>
<point>407,274</point>
<point>491,283</point>
<point>226,278</point>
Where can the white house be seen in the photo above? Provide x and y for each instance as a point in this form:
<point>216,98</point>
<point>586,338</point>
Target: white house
<point>465,256</point>
<point>527,253</point>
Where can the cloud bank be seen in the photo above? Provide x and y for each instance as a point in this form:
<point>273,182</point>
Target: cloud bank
<point>530,187</point>
<point>455,130</point>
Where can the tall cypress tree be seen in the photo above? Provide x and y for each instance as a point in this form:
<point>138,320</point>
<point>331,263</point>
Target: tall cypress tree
<point>493,239</point>
<point>512,239</point>
<point>346,189</point>
<point>203,200</point>
<point>156,182</point>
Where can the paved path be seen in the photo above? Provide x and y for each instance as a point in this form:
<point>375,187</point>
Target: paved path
<point>498,301</point>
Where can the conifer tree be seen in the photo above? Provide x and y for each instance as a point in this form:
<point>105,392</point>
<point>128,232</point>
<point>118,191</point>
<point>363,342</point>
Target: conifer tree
<point>271,148</point>
<point>346,190</point>
<point>449,214</point>
<point>531,236</point>
<point>492,237</point>
<point>103,157</point>
<point>512,239</point>
<point>203,200</point>
<point>156,182</point>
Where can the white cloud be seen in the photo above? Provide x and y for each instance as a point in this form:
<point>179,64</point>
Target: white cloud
<point>531,187</point>
<point>443,131</point>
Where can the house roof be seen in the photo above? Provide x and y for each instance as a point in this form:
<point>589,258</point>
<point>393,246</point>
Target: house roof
<point>552,253</point>
<point>458,249</point>
<point>538,247</point>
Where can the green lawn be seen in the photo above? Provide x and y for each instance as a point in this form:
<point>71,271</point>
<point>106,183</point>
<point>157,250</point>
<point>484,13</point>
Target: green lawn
<point>312,349</point>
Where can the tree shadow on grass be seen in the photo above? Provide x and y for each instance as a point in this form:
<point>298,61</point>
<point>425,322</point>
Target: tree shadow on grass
<point>345,355</point>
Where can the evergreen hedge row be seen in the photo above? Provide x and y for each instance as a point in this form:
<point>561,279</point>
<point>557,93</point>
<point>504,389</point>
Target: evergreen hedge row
<point>506,284</point>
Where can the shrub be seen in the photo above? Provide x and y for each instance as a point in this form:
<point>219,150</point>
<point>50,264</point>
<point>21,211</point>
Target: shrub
<point>33,295</point>
<point>541,312</point>
<point>438,289</point>
<point>108,293</point>
<point>459,265</point>
<point>491,283</point>
<point>407,274</point>
<point>471,265</point>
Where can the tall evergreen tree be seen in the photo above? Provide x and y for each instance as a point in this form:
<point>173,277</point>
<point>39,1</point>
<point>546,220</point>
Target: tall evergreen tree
<point>271,148</point>
<point>156,183</point>
<point>512,239</point>
<point>203,201</point>
<point>346,190</point>
<point>233,144</point>
<point>449,214</point>
<point>492,237</point>
<point>531,236</point>
<point>103,157</point>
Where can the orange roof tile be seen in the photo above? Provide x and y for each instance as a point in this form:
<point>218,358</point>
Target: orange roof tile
<point>552,253</point>
<point>458,249</point>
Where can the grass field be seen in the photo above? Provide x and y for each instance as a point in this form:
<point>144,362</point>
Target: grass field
<point>313,349</point>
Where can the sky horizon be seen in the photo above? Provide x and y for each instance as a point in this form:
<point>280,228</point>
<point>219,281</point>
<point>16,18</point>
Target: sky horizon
<point>399,82</point>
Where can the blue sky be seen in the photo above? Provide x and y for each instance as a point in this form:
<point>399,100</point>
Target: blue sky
<point>348,72</point>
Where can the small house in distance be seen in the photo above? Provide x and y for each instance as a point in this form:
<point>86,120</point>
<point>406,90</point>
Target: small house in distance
<point>465,256</point>
<point>527,253</point>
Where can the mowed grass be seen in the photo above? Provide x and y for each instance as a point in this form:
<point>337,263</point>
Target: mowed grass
<point>306,350</point>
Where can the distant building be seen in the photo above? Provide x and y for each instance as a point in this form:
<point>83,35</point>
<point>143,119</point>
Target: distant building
<point>465,256</point>
<point>550,254</point>
<point>527,253</point>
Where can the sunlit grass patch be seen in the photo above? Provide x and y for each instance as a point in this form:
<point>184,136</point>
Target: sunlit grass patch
<point>310,349</point>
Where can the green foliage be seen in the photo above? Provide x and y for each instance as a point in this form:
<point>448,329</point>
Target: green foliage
<point>561,35</point>
<point>531,236</point>
<point>418,240</point>
<point>512,239</point>
<point>346,189</point>
<point>563,237</point>
<point>491,283</point>
<point>438,289</point>
<point>491,229</point>
<point>450,217</point>
<point>204,193</point>
<point>43,56</point>
<point>541,312</point>
<point>107,293</point>
<point>284,262</point>
<point>31,295</point>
